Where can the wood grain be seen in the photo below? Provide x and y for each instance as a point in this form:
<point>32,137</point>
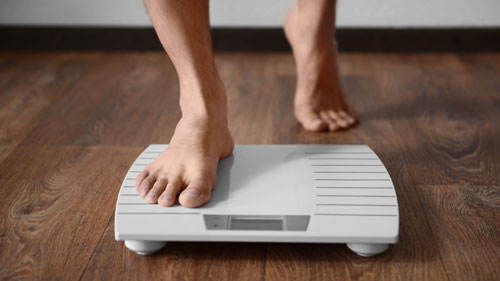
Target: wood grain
<point>72,123</point>
<point>177,261</point>
<point>249,95</point>
<point>54,212</point>
<point>466,222</point>
<point>441,118</point>
<point>29,86</point>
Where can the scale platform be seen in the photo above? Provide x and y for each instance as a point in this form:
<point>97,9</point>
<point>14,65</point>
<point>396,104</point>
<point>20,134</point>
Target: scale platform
<point>273,193</point>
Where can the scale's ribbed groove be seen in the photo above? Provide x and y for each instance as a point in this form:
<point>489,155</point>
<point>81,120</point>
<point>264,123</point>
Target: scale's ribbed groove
<point>342,173</point>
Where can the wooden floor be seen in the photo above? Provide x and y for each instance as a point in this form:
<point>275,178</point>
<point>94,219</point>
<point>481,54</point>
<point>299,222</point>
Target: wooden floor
<point>72,123</point>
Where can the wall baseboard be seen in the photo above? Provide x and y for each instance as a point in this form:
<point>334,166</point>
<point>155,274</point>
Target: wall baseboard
<point>251,39</point>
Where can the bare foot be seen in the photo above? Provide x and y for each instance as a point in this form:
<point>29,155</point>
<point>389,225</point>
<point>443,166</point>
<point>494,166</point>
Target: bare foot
<point>187,168</point>
<point>320,103</point>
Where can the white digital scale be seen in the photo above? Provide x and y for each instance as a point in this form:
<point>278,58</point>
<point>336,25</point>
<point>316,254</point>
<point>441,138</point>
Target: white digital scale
<point>273,193</point>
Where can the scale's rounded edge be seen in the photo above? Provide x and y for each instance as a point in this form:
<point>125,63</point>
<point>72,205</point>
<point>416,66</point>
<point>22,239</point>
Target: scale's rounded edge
<point>117,233</point>
<point>396,236</point>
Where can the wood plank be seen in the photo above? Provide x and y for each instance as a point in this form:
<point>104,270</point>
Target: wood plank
<point>17,66</point>
<point>54,212</point>
<point>443,122</point>
<point>117,102</point>
<point>177,261</point>
<point>250,85</point>
<point>34,82</point>
<point>454,141</point>
<point>145,107</point>
<point>465,221</point>
<point>483,72</point>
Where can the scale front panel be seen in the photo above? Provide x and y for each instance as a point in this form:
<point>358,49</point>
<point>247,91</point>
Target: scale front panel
<point>274,193</point>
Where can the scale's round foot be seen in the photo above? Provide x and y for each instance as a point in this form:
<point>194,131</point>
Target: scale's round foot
<point>367,249</point>
<point>144,247</point>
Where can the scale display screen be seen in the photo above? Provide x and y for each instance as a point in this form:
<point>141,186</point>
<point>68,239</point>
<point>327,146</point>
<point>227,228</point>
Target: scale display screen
<point>257,222</point>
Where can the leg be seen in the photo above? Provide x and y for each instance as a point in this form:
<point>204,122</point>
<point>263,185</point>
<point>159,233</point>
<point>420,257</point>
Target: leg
<point>320,102</point>
<point>187,168</point>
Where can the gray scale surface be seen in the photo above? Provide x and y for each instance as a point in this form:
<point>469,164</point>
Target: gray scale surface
<point>273,193</point>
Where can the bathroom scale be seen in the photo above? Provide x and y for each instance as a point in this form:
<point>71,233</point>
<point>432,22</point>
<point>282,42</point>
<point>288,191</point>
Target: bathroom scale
<point>273,193</point>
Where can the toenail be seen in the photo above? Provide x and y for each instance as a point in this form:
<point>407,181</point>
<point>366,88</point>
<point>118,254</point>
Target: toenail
<point>166,198</point>
<point>142,192</point>
<point>192,192</point>
<point>150,196</point>
<point>317,121</point>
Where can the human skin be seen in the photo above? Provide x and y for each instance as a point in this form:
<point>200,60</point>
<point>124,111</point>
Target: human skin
<point>186,170</point>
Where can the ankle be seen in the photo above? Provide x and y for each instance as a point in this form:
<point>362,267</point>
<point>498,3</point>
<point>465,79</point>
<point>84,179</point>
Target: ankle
<point>205,98</point>
<point>210,123</point>
<point>207,110</point>
<point>206,119</point>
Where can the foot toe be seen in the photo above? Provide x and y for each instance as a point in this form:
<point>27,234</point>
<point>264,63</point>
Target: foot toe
<point>156,190</point>
<point>332,124</point>
<point>349,118</point>
<point>312,122</point>
<point>315,125</point>
<point>140,177</point>
<point>342,123</point>
<point>195,195</point>
<point>333,127</point>
<point>340,119</point>
<point>146,185</point>
<point>169,196</point>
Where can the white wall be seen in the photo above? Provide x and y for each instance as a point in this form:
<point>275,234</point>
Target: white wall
<point>257,13</point>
